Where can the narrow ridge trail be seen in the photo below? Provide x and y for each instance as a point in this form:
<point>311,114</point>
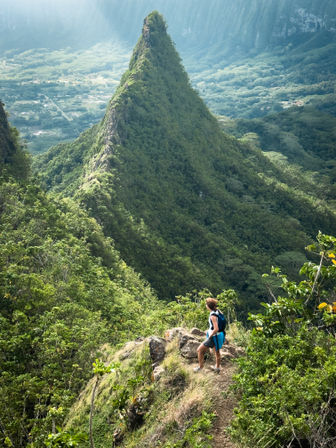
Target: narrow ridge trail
<point>226,402</point>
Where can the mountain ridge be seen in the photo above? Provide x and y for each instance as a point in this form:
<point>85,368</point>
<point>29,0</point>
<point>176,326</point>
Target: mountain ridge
<point>184,202</point>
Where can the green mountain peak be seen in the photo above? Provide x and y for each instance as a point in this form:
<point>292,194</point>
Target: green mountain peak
<point>187,206</point>
<point>154,25</point>
<point>154,60</point>
<point>153,41</point>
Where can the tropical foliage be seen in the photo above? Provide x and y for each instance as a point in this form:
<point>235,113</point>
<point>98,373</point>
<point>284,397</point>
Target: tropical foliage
<point>287,380</point>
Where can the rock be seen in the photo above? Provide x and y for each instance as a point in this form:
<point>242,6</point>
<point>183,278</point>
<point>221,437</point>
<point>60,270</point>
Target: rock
<point>173,333</point>
<point>157,348</point>
<point>184,338</point>
<point>226,355</point>
<point>124,356</point>
<point>135,414</point>
<point>189,348</point>
<point>240,351</point>
<point>198,332</point>
<point>188,345</point>
<point>157,373</point>
<point>118,436</point>
<point>234,351</point>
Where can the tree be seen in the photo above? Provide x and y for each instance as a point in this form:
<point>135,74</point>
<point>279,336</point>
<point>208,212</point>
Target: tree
<point>228,301</point>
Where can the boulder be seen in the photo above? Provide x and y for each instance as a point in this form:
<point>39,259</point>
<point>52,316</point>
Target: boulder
<point>197,332</point>
<point>173,333</point>
<point>189,348</point>
<point>157,373</point>
<point>234,351</point>
<point>184,338</point>
<point>226,355</point>
<point>157,349</point>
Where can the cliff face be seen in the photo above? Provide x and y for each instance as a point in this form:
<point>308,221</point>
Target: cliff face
<point>236,24</point>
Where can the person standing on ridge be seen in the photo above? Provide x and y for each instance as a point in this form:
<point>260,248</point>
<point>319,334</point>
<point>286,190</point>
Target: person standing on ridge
<point>215,335</point>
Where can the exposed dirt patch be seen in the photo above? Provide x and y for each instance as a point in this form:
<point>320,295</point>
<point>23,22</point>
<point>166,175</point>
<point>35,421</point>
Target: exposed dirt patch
<point>225,403</point>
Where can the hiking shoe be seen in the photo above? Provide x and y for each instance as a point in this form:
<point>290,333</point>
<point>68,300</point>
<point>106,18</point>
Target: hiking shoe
<point>197,369</point>
<point>215,369</point>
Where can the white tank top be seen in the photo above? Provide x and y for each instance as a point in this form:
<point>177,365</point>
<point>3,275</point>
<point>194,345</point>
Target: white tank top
<point>213,313</point>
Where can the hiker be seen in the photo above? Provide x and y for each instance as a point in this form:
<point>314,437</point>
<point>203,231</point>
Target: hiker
<point>215,335</point>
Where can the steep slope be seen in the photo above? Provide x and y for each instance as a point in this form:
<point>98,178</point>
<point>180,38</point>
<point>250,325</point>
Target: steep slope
<point>13,160</point>
<point>63,289</point>
<point>186,204</point>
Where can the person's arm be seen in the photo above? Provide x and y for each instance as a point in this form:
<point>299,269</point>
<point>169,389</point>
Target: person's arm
<point>215,326</point>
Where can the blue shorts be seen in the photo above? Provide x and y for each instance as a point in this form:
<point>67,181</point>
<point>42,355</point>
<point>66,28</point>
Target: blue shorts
<point>215,341</point>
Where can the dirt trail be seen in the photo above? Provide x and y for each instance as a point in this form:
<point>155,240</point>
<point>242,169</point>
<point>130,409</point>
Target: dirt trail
<point>226,402</point>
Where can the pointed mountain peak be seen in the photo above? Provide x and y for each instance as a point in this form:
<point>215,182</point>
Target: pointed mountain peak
<point>154,27</point>
<point>154,24</point>
<point>154,44</point>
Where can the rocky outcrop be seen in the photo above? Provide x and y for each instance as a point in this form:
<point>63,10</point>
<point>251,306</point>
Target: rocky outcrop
<point>189,346</point>
<point>157,349</point>
<point>189,341</point>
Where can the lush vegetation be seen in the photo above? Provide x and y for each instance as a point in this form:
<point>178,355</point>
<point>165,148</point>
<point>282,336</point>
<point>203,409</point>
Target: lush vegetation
<point>132,410</point>
<point>300,142</point>
<point>14,160</point>
<point>187,206</point>
<point>287,381</point>
<point>64,291</point>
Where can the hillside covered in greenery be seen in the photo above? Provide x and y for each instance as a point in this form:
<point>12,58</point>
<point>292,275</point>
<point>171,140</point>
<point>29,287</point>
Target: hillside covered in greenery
<point>300,142</point>
<point>64,291</point>
<point>13,159</point>
<point>187,205</point>
<point>156,201</point>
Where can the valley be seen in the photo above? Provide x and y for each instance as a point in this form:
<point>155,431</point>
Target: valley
<point>53,94</point>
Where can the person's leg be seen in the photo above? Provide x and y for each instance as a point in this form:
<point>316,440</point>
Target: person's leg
<point>200,354</point>
<point>218,358</point>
